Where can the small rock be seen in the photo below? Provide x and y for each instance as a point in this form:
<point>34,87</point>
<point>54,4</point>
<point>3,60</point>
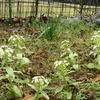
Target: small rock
<point>96,18</point>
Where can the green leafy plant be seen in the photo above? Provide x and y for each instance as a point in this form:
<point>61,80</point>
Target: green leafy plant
<point>21,61</point>
<point>69,55</point>
<point>95,26</point>
<point>13,88</point>
<point>39,83</point>
<point>67,89</point>
<point>95,45</point>
<point>6,55</point>
<point>49,30</point>
<point>14,56</point>
<point>95,86</point>
<point>80,96</point>
<point>17,42</point>
<point>12,59</point>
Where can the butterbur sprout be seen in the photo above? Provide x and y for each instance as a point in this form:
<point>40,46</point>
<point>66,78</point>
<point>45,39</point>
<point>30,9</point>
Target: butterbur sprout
<point>12,38</point>
<point>59,63</point>
<point>39,83</point>
<point>65,41</point>
<point>65,44</point>
<point>5,50</point>
<point>17,41</point>
<point>15,38</point>
<point>96,38</point>
<point>40,80</point>
<point>1,52</point>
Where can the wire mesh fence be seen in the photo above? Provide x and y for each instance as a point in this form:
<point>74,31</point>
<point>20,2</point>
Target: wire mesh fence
<point>25,8</point>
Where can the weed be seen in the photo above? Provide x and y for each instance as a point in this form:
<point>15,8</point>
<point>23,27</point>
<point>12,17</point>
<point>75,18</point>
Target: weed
<point>69,55</point>
<point>67,88</point>
<point>14,89</point>
<point>49,30</point>
<point>95,39</point>
<point>94,87</point>
<point>39,83</point>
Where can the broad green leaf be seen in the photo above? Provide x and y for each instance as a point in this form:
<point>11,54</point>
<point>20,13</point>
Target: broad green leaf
<point>10,72</point>
<point>19,55</point>
<point>59,89</point>
<point>21,81</point>
<point>32,86</point>
<point>24,61</point>
<point>98,59</point>
<point>97,98</point>
<point>10,88</point>
<point>28,52</point>
<point>14,90</point>
<point>68,94</point>
<point>97,66</point>
<point>2,77</point>
<point>17,91</point>
<point>76,67</point>
<point>90,65</point>
<point>71,56</point>
<point>45,95</point>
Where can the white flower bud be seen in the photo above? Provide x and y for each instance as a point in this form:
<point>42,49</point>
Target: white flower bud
<point>5,49</point>
<point>40,80</point>
<point>1,52</point>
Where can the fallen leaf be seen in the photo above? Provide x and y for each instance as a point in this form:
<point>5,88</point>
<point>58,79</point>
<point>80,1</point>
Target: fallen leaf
<point>96,79</point>
<point>37,57</point>
<point>28,97</point>
<point>81,78</point>
<point>42,52</point>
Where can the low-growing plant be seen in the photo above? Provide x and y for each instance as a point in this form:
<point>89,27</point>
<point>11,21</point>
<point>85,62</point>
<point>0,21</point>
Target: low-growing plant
<point>6,55</point>
<point>13,53</point>
<point>95,87</point>
<point>95,45</point>
<point>80,96</point>
<point>67,88</point>
<point>15,90</point>
<point>17,43</point>
<point>49,29</point>
<point>95,26</point>
<point>21,61</point>
<point>39,84</point>
<point>69,55</point>
<point>12,57</point>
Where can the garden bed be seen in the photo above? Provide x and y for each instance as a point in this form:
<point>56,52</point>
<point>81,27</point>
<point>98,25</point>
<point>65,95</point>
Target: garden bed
<point>55,60</point>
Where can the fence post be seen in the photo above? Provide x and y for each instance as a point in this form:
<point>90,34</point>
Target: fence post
<point>81,6</point>
<point>10,12</point>
<point>36,8</point>
<point>62,9</point>
<point>48,8</point>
